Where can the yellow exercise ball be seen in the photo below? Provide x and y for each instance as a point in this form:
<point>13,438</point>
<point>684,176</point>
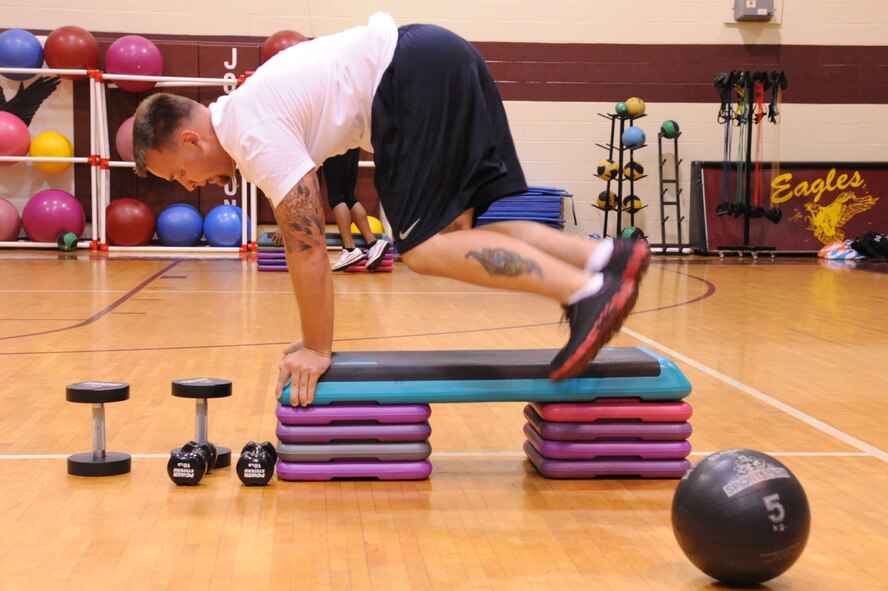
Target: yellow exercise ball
<point>631,203</point>
<point>375,226</point>
<point>607,200</point>
<point>52,144</point>
<point>635,106</point>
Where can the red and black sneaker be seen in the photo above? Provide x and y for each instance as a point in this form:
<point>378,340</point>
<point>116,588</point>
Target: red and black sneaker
<point>596,319</point>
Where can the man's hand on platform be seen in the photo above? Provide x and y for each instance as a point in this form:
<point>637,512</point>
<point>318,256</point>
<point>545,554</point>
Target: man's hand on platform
<point>302,368</point>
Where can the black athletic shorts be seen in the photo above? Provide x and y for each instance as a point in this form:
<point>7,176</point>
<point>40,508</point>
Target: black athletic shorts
<point>341,175</point>
<point>440,135</point>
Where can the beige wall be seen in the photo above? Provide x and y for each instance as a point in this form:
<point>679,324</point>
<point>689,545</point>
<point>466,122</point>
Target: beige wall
<point>830,22</point>
<point>556,141</point>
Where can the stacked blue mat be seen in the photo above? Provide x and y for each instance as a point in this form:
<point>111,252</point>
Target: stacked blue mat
<point>537,204</point>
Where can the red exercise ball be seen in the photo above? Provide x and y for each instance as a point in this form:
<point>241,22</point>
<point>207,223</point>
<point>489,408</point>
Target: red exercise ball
<point>71,48</point>
<point>129,222</point>
<point>280,41</point>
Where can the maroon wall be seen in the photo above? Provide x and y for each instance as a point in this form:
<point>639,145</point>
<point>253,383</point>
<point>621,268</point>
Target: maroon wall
<point>523,71</point>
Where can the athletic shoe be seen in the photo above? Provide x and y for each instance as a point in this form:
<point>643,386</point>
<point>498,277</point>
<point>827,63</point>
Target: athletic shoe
<point>377,252</point>
<point>348,258</point>
<point>624,250</point>
<point>596,318</point>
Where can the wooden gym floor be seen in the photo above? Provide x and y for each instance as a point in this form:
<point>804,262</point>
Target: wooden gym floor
<point>786,357</point>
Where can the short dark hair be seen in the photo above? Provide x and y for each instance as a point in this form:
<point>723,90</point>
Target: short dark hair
<point>156,120</point>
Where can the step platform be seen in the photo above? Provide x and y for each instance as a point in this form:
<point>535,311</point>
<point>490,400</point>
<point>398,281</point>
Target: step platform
<point>353,433</point>
<point>363,470</point>
<point>609,468</point>
<point>333,239</point>
<point>423,377</point>
<point>615,408</point>
<point>334,414</point>
<point>277,261</point>
<point>350,452</point>
<point>609,429</point>
<point>591,450</point>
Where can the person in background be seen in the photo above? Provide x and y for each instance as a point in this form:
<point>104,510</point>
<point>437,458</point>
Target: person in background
<point>341,174</point>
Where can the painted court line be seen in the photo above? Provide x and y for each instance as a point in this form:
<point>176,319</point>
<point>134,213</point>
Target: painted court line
<point>793,412</point>
<point>477,454</point>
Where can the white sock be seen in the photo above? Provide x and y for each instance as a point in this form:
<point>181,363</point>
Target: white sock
<point>592,287</point>
<point>601,256</point>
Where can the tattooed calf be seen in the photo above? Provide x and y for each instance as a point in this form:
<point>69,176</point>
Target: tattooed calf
<point>499,261</point>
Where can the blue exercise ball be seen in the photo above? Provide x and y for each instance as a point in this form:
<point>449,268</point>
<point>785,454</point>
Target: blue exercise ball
<point>633,138</point>
<point>223,225</point>
<point>20,49</point>
<point>179,225</point>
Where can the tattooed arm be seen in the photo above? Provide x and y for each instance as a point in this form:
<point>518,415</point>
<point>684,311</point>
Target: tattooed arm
<point>300,220</point>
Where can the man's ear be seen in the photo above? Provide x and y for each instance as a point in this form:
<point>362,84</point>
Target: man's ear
<point>189,136</point>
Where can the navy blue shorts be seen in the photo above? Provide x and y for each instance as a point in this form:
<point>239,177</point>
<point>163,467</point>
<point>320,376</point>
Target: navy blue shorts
<point>440,135</point>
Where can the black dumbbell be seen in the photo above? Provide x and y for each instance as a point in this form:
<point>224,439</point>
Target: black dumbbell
<point>255,467</point>
<point>201,390</point>
<point>206,450</point>
<point>99,462</point>
<point>188,464</point>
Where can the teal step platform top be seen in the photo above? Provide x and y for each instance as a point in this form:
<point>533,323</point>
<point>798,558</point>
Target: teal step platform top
<point>334,240</point>
<point>521,375</point>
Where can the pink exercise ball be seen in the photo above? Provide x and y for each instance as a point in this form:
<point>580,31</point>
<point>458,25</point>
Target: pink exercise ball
<point>50,213</point>
<point>10,222</point>
<point>136,56</point>
<point>15,139</point>
<point>124,140</point>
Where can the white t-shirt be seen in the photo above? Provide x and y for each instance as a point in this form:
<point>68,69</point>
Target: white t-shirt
<point>309,102</point>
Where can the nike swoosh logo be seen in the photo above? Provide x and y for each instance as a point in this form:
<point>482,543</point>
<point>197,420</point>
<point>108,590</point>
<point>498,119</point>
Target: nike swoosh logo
<point>404,233</point>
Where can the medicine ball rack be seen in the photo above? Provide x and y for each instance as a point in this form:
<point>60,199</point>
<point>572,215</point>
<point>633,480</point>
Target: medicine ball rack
<point>678,247</point>
<point>619,178</point>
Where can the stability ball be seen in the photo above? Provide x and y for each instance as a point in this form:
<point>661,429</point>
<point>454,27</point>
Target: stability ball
<point>633,138</point>
<point>136,56</point>
<point>71,48</point>
<point>50,213</point>
<point>375,226</point>
<point>129,222</point>
<point>15,139</point>
<point>280,41</point>
<point>179,225</point>
<point>741,516</point>
<point>123,141</point>
<point>222,225</point>
<point>51,144</point>
<point>20,49</point>
<point>10,221</point>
